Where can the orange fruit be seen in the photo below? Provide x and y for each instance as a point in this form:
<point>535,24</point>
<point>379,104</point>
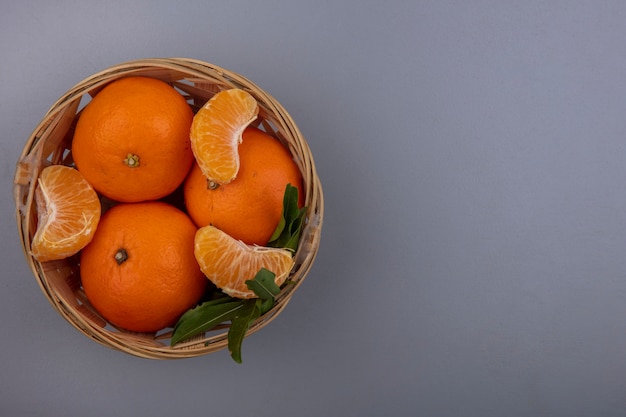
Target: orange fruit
<point>216,133</point>
<point>132,140</point>
<point>228,262</point>
<point>248,208</point>
<point>139,271</point>
<point>68,212</point>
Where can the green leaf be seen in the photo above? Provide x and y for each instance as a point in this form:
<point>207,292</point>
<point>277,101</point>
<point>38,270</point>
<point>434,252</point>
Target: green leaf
<point>279,229</point>
<point>204,317</point>
<point>295,227</point>
<point>265,305</point>
<point>287,232</point>
<point>242,320</point>
<point>290,201</point>
<point>264,285</point>
<point>265,288</point>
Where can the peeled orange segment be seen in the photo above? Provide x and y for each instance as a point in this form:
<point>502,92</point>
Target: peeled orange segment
<point>216,132</point>
<point>228,262</point>
<point>68,211</point>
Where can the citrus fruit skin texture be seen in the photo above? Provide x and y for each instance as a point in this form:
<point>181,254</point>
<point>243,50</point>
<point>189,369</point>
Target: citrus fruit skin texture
<point>228,262</point>
<point>132,140</point>
<point>68,212</point>
<point>216,133</point>
<point>139,271</point>
<point>248,208</point>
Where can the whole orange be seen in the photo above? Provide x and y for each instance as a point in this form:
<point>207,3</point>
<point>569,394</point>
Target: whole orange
<point>249,207</point>
<point>131,141</point>
<point>139,271</point>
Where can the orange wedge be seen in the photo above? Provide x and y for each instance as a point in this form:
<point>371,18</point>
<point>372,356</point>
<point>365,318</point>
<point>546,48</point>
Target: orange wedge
<point>216,132</point>
<point>68,211</point>
<point>228,262</point>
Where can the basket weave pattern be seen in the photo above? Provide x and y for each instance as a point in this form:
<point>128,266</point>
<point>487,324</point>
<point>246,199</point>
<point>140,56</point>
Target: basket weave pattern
<point>50,143</point>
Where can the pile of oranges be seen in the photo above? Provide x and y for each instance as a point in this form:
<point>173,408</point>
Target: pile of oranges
<point>145,255</point>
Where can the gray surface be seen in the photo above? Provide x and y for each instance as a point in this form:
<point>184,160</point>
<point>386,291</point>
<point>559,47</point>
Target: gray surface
<point>473,159</point>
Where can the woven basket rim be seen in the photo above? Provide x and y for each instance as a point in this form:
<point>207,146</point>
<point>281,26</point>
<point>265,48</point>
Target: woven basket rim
<point>48,144</point>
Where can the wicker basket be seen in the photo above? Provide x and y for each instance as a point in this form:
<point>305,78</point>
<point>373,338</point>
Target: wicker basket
<point>50,143</point>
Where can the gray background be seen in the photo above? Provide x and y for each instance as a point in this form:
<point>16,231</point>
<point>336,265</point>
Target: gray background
<point>473,157</point>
